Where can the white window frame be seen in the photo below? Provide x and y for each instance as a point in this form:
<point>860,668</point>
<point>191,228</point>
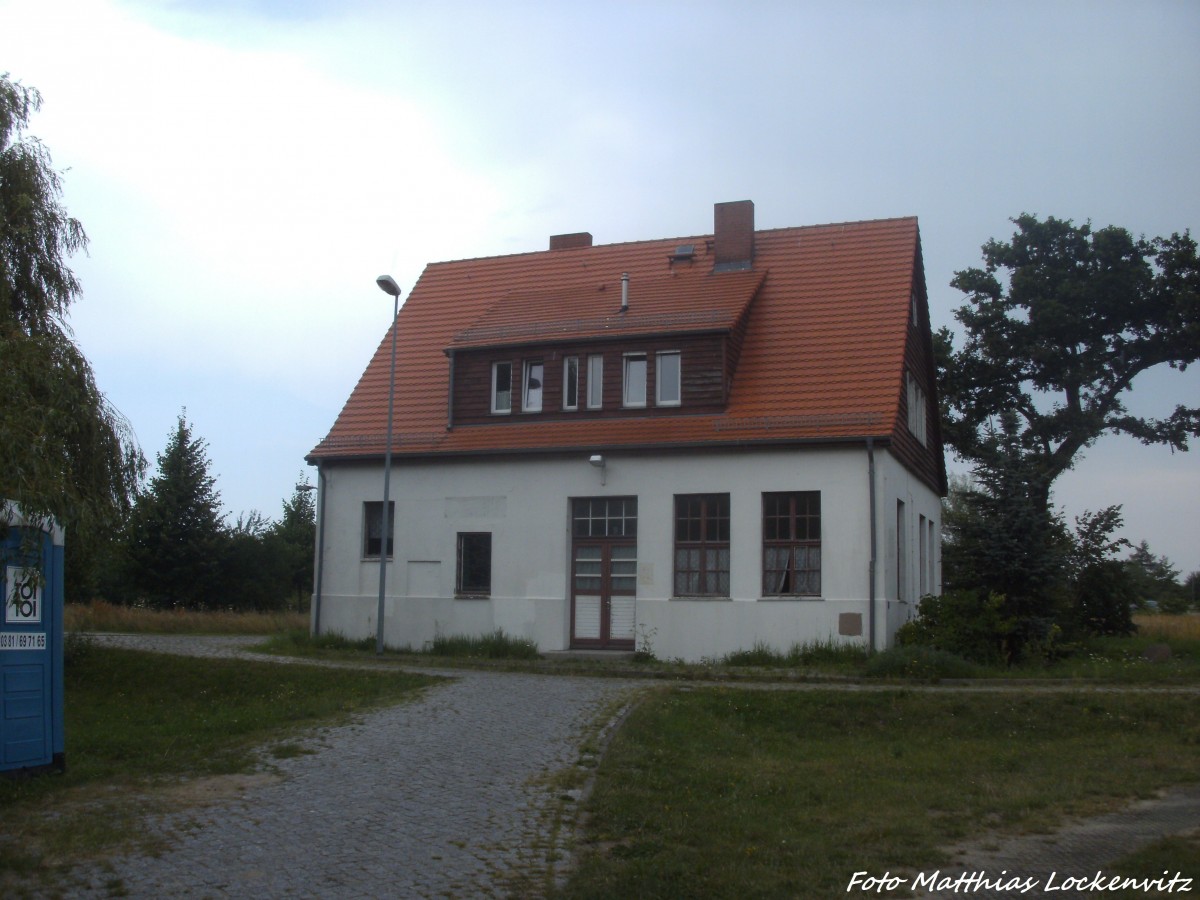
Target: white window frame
<point>918,405</point>
<point>528,401</point>
<point>496,409</point>
<point>629,361</point>
<point>570,363</point>
<point>658,382</point>
<point>595,381</point>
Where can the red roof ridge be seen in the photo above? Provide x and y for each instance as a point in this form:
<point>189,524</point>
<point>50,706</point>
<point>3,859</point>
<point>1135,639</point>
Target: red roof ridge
<point>680,239</point>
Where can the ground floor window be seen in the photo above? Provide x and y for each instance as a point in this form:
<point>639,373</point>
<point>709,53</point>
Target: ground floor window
<point>792,544</point>
<point>373,528</point>
<point>702,545</point>
<point>474,568</point>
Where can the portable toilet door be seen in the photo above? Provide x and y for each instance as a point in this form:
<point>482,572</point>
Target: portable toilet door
<point>31,644</point>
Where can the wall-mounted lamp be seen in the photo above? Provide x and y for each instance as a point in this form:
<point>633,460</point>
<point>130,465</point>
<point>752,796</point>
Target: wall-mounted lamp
<point>598,461</point>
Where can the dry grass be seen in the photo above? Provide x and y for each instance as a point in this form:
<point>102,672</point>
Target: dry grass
<point>101,616</point>
<point>1165,627</point>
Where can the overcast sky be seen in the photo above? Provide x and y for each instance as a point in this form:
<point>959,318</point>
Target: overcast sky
<point>246,168</point>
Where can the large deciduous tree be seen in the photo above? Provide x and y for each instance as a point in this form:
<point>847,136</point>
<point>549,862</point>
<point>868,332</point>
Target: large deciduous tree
<point>1058,323</point>
<point>64,450</point>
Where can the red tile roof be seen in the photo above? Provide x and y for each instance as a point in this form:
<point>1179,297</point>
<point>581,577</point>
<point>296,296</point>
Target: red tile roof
<point>823,355</point>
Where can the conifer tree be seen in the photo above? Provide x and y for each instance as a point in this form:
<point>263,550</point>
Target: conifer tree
<point>296,533</point>
<point>174,547</point>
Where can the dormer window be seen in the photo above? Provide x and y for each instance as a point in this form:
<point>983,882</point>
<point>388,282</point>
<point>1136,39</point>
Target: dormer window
<point>667,380</point>
<point>502,388</point>
<point>595,381</point>
<point>917,405</point>
<point>635,379</point>
<point>532,394</point>
<point>567,382</point>
<point>570,383</point>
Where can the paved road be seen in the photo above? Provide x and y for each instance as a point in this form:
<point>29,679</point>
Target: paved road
<point>442,797</point>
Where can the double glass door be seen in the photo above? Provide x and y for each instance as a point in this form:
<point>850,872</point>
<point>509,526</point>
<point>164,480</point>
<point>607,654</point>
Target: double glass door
<point>604,572</point>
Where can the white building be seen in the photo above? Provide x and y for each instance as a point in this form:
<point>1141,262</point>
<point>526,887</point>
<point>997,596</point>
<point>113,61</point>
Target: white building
<point>691,445</point>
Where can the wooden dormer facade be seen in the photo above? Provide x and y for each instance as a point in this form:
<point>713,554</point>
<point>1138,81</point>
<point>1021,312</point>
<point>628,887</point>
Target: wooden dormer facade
<point>670,348</point>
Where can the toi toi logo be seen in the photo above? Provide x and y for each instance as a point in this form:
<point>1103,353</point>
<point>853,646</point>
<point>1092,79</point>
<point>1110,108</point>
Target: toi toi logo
<point>24,597</point>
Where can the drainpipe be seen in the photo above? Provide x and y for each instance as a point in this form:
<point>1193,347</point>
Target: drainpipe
<point>320,567</point>
<point>871,564</point>
<point>450,395</point>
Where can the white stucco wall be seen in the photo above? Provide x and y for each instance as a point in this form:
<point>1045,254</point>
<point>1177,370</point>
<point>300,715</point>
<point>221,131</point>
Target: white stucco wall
<point>525,504</point>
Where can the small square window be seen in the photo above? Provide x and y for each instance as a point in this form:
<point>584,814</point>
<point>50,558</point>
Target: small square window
<point>373,528</point>
<point>474,576</point>
<point>635,380</point>
<point>502,387</point>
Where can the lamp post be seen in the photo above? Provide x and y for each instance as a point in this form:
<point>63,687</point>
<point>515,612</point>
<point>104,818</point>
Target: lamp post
<point>388,285</point>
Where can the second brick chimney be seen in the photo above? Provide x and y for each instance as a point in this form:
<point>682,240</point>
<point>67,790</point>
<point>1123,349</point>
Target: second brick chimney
<point>733,241</point>
<point>570,241</point>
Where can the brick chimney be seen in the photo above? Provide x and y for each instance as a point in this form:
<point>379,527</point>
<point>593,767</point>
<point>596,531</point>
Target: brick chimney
<point>570,241</point>
<point>733,241</point>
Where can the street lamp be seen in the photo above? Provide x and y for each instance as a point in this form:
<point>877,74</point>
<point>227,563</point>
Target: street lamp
<point>388,285</point>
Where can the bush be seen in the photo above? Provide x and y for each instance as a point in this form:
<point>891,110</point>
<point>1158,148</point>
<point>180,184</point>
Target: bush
<point>965,623</point>
<point>915,661</point>
<point>1104,598</point>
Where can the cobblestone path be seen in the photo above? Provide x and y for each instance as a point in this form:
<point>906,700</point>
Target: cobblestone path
<point>446,796</point>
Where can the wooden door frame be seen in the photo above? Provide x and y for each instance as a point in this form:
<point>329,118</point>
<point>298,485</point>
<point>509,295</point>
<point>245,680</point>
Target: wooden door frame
<point>605,641</point>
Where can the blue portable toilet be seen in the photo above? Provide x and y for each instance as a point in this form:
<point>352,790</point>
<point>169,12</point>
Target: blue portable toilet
<point>31,644</point>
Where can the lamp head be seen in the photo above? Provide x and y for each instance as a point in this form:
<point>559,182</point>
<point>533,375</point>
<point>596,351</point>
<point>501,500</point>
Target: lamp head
<point>388,285</point>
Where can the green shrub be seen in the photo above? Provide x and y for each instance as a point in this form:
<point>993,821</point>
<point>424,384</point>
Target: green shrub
<point>965,623</point>
<point>1104,598</point>
<point>916,661</point>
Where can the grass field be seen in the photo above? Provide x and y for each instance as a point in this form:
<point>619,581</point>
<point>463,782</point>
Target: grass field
<point>719,792</point>
<point>704,791</point>
<point>101,616</point>
<point>137,723</point>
